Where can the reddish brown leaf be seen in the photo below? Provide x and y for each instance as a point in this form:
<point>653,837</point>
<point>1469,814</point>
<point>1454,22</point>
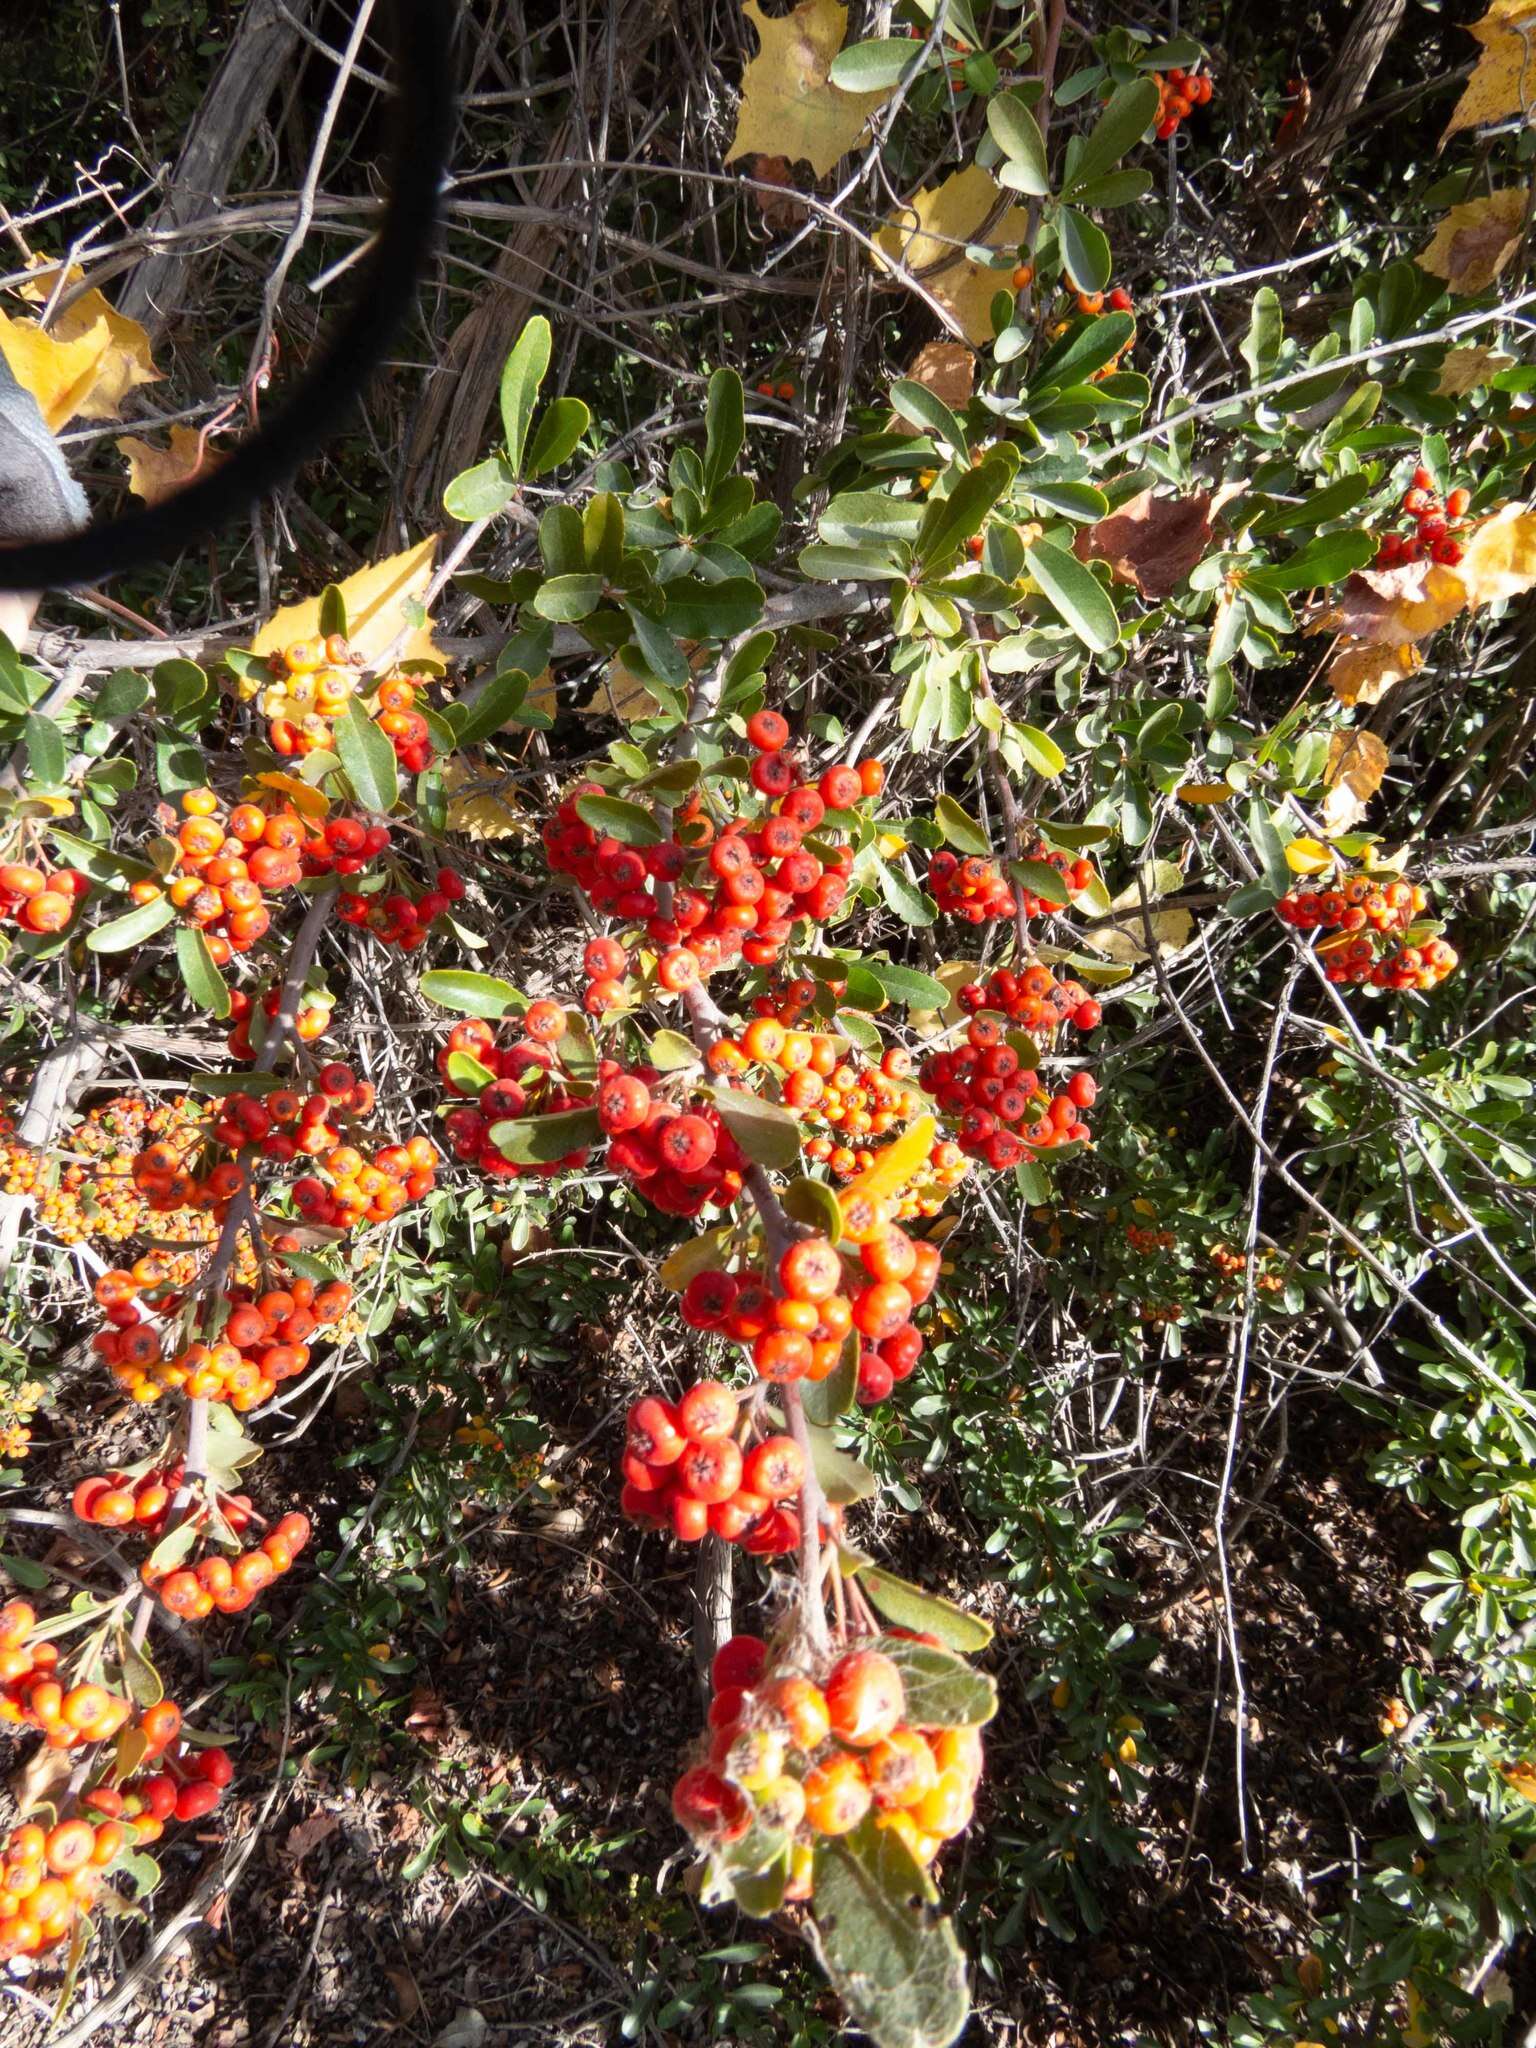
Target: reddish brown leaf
<point>1151,542</point>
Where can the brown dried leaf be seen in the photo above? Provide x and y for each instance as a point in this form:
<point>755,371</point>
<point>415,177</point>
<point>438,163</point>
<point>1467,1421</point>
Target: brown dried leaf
<point>1149,541</point>
<point>948,370</point>
<point>309,1834</point>
<point>1503,82</point>
<point>1475,241</point>
<point>1357,761</point>
<point>1388,606</point>
<point>781,209</point>
<point>1464,369</point>
<point>407,1997</point>
<point>1362,674</point>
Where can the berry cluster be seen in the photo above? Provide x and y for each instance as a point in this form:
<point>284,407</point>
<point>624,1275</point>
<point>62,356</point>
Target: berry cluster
<point>90,1191</point>
<point>228,863</point>
<point>229,1584</point>
<point>39,899</point>
<point>32,1695</point>
<point>316,680</point>
<point>1118,300</point>
<point>311,687</point>
<point>1034,1000</point>
<point>1179,93</point>
<point>525,1078</point>
<point>802,1759</point>
<point>975,890</point>
<point>50,1875</point>
<point>1363,914</point>
<point>685,1469</point>
<point>796,1325</point>
<point>188,1786</point>
<point>263,1342</point>
<point>1004,1115</point>
<point>680,1158</point>
<point>1434,526</point>
<point>747,891</point>
<point>829,1086</point>
<point>397,919</point>
<point>312,1022</point>
<point>784,389</point>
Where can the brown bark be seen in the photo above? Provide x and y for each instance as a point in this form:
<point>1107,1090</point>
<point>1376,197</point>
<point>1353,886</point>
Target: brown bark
<point>256,61</point>
<point>1300,175</point>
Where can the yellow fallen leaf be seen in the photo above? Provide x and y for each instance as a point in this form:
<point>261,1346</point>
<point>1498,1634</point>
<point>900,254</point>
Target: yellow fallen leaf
<point>1357,761</point>
<point>477,814</point>
<point>124,363</point>
<point>301,795</point>
<point>156,473</point>
<point>1361,673</point>
<point>1126,942</point>
<point>1498,561</point>
<point>1308,857</point>
<point>374,598</point>
<point>1476,240</point>
<point>789,106</point>
<point>929,237</point>
<point>621,694</point>
<point>1504,81</point>
<point>1205,792</point>
<point>1464,369</point>
<point>901,1161</point>
<point>59,374</point>
<point>44,280</point>
<point>1520,1777</point>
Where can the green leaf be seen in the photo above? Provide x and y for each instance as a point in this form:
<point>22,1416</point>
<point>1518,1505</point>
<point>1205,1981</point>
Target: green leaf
<point>554,441</point>
<point>814,1203</point>
<point>132,929</point>
<point>1077,355</point>
<point>921,407</point>
<point>495,704</point>
<point>900,1601</point>
<point>473,995</point>
<point>467,1073</point>
<point>22,1569</point>
<point>333,612</point>
<point>1040,879</point>
<point>1131,110</point>
<point>204,983</point>
<point>896,1967</point>
<point>1115,188</point>
<point>1076,593</point>
<point>541,1140</point>
<point>47,757</point>
<point>1017,134</point>
<point>764,1130</point>
<point>824,1400</point>
<point>724,427</point>
<point>602,533</point>
<point>849,565</point>
<point>1266,330</point>
<point>123,693</point>
<point>712,611</point>
<point>873,66</point>
<point>481,492</point>
<point>101,863</point>
<point>1039,750</point>
<point>869,518</point>
<point>948,523</point>
<point>907,985</point>
<point>960,828</point>
<point>843,1478</point>
<point>942,1690</point>
<point>565,599</point>
<point>1325,559</point>
<point>670,1052</point>
<point>1084,250</point>
<point>520,381</point>
<point>659,652</point>
<point>630,824</point>
<point>367,757</point>
<point>914,906</point>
